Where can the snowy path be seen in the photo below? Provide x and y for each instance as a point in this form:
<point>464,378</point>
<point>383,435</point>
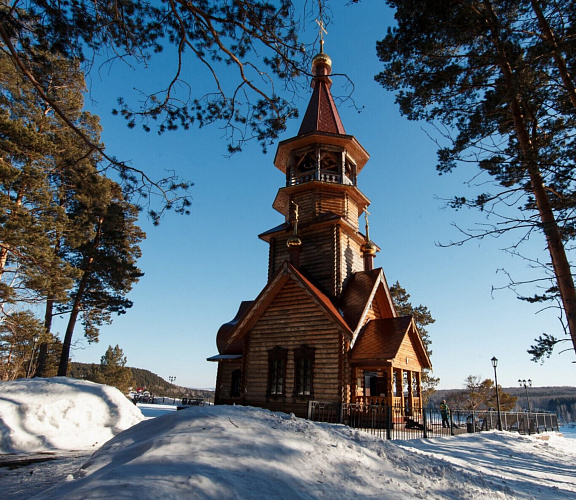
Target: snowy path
<point>23,476</point>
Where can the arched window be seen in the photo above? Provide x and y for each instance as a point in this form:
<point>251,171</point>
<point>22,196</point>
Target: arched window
<point>304,371</point>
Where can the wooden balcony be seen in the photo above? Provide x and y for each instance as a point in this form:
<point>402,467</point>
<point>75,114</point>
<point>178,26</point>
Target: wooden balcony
<point>323,176</point>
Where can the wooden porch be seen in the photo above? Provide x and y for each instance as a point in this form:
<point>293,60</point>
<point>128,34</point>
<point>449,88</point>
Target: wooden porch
<point>389,386</point>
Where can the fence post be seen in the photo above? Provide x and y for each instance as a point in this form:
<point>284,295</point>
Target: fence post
<point>341,416</point>
<point>424,423</point>
<point>389,423</point>
<point>451,424</point>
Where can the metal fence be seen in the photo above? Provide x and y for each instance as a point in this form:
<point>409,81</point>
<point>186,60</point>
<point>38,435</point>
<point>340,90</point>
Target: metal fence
<point>391,422</point>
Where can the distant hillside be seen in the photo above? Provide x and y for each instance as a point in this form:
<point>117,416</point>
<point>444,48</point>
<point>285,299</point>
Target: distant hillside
<point>148,381</point>
<point>559,400</point>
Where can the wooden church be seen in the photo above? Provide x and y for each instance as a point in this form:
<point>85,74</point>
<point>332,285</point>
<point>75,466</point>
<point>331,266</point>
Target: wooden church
<point>324,328</point>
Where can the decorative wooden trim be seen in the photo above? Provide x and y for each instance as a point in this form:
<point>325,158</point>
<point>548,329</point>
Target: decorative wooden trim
<point>349,142</point>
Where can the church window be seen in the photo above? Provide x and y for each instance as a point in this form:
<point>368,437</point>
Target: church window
<point>235,384</point>
<point>277,371</point>
<point>303,371</point>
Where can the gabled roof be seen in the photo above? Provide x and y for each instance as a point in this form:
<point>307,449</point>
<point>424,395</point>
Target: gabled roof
<point>381,339</point>
<point>362,290</point>
<point>254,311</point>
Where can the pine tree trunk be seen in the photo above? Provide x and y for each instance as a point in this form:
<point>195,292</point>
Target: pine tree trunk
<point>560,263</point>
<point>67,343</point>
<point>43,348</point>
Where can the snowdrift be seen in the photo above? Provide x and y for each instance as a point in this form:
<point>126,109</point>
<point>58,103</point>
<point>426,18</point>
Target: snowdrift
<point>61,414</point>
<point>238,452</point>
<point>235,452</point>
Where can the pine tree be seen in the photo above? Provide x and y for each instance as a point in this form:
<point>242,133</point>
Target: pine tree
<point>113,370</point>
<point>31,150</point>
<point>68,236</point>
<point>17,346</point>
<point>230,56</point>
<point>497,75</point>
<point>106,259</point>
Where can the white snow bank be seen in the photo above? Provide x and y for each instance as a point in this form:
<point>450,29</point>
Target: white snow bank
<point>237,452</point>
<point>61,414</point>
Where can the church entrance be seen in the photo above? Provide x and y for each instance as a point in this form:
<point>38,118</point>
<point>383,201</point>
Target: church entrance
<point>374,384</point>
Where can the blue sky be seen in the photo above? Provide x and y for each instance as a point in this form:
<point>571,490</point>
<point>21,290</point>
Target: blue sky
<point>199,268</point>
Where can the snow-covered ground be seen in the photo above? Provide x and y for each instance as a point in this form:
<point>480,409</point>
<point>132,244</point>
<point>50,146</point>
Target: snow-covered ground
<point>220,452</point>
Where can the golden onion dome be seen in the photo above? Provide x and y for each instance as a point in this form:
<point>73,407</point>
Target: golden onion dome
<point>321,64</point>
<point>369,248</point>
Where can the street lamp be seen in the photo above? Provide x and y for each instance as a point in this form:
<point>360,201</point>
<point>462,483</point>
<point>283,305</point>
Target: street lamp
<point>172,380</point>
<point>495,364</point>
<point>35,340</point>
<point>526,384</point>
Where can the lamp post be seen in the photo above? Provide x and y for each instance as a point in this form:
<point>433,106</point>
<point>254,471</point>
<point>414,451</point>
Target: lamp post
<point>526,384</point>
<point>495,364</point>
<point>35,340</point>
<point>172,380</point>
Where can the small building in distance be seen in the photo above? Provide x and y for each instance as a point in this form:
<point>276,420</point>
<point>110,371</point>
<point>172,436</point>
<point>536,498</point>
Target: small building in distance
<point>324,327</point>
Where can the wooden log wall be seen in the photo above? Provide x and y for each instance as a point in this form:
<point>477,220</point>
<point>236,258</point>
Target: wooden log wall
<point>407,359</point>
<point>224,381</point>
<point>328,256</point>
<point>325,198</point>
<point>293,319</point>
<point>349,256</point>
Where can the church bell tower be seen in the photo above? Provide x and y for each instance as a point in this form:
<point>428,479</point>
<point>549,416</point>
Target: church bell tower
<point>321,198</point>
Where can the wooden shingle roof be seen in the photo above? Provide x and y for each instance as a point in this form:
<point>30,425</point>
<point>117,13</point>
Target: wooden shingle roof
<point>357,292</point>
<point>381,339</point>
<point>363,290</point>
<point>321,114</point>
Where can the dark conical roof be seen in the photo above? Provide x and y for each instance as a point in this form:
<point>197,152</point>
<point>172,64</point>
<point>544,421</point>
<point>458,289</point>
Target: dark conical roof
<point>321,114</point>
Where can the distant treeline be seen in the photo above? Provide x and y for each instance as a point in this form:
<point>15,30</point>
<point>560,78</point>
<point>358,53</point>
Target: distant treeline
<point>148,381</point>
<point>559,400</point>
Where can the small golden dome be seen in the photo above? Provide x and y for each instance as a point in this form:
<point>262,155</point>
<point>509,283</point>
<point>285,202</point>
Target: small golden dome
<point>321,61</point>
<point>369,248</point>
<point>293,241</point>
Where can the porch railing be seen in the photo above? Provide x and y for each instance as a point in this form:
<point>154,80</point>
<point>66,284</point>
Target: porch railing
<point>396,422</point>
